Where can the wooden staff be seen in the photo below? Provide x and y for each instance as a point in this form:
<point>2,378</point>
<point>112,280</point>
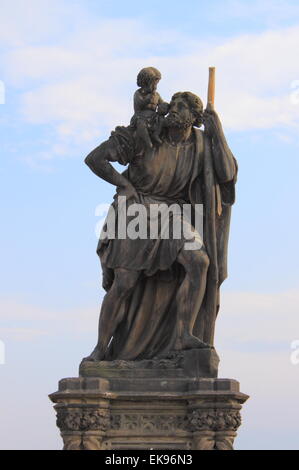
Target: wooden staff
<point>211,99</point>
<point>211,87</point>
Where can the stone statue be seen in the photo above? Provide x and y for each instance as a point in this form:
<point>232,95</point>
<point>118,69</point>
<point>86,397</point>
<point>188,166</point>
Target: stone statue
<point>152,380</point>
<point>149,108</point>
<point>160,296</point>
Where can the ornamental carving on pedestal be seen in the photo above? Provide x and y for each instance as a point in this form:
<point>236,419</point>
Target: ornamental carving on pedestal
<point>74,419</point>
<point>149,422</point>
<point>214,429</point>
<point>215,420</point>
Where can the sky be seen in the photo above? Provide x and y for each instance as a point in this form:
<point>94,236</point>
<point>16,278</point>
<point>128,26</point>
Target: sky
<point>67,76</point>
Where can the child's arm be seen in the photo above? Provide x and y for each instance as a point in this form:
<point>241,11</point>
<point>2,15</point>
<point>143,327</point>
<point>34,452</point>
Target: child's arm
<point>163,106</point>
<point>141,101</point>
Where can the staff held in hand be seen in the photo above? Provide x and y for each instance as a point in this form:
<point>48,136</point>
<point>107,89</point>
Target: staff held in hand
<point>210,118</point>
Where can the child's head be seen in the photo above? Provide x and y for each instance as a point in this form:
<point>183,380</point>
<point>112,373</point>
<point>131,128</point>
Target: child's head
<point>148,78</point>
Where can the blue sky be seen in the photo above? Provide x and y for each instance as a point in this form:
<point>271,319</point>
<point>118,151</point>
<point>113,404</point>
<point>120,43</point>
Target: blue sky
<point>69,70</point>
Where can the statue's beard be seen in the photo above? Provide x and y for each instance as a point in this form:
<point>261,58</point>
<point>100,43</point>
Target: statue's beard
<point>175,120</point>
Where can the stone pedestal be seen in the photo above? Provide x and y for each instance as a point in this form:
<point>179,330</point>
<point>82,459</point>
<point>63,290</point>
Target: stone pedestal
<point>151,404</point>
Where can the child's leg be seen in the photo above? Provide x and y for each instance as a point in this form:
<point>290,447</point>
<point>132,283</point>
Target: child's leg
<point>158,129</point>
<point>142,133</point>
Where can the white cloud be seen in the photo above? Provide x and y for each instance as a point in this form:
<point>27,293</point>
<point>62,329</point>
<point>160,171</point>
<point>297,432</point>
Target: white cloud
<point>254,78</point>
<point>14,310</point>
<point>251,318</point>
<point>248,321</point>
<point>23,321</point>
<point>21,334</point>
<point>32,21</point>
<point>79,108</point>
<point>83,85</point>
<point>270,12</point>
<point>254,333</point>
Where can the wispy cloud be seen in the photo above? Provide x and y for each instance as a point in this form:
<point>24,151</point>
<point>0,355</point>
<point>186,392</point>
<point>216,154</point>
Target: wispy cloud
<point>254,318</point>
<point>271,12</point>
<point>82,86</point>
<point>22,334</point>
<point>22,321</point>
<point>89,86</point>
<point>245,318</point>
<point>246,321</point>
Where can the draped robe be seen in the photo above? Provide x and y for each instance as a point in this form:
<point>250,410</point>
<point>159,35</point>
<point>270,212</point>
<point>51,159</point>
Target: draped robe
<point>187,173</point>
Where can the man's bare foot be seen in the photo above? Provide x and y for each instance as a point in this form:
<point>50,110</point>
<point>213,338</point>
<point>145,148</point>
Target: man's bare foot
<point>188,341</point>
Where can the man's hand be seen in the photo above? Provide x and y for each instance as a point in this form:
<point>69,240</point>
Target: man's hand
<point>211,120</point>
<point>163,108</point>
<point>128,191</point>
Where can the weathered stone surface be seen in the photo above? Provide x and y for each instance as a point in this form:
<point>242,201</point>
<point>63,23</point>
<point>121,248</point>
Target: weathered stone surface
<point>190,363</point>
<point>161,293</point>
<point>93,414</point>
<point>162,297</point>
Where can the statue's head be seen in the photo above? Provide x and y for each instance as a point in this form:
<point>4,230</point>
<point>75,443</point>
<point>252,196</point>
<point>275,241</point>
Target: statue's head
<point>148,78</point>
<point>186,109</point>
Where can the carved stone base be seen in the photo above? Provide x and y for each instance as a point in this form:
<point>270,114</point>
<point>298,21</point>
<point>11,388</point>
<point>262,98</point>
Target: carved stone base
<point>190,363</point>
<point>134,407</point>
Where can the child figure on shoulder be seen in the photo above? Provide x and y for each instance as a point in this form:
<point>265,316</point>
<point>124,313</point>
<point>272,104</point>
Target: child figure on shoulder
<point>149,108</point>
